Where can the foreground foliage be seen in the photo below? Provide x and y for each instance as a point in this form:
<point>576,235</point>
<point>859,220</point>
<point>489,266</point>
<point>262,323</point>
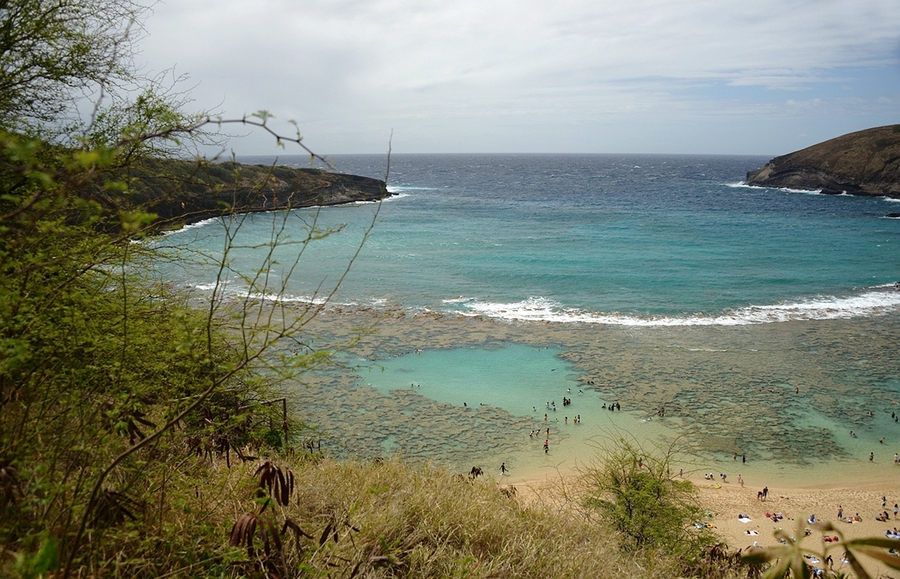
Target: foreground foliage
<point>634,490</point>
<point>109,383</point>
<point>312,517</point>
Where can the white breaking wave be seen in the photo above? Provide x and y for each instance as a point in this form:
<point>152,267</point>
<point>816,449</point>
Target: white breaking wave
<point>537,309</point>
<point>234,290</point>
<point>401,188</point>
<point>457,300</point>
<point>879,300</point>
<point>742,184</point>
<point>196,225</point>
<point>395,194</point>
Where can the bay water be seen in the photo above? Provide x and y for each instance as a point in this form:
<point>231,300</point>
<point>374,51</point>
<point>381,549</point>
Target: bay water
<point>763,321</point>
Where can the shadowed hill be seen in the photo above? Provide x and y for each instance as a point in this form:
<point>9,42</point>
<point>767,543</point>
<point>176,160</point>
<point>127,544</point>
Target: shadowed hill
<point>183,192</point>
<point>861,163</point>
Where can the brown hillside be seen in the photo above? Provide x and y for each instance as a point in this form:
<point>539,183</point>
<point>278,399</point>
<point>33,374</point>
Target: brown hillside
<point>861,163</point>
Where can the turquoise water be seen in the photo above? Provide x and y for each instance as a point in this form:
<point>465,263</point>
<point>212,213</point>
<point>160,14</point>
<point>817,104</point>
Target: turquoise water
<point>602,239</point>
<point>517,378</point>
<point>649,280</point>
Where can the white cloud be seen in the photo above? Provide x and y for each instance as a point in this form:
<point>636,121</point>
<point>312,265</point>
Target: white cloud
<point>500,74</point>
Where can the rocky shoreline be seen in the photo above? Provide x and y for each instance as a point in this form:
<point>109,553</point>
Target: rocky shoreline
<point>184,192</point>
<point>862,163</point>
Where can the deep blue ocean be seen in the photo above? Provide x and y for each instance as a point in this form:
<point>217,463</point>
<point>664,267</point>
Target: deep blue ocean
<point>616,239</point>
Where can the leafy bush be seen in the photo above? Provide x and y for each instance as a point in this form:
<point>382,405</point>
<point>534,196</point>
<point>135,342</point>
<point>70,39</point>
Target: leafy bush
<point>633,489</point>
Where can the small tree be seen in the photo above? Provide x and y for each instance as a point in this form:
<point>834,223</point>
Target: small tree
<point>634,491</point>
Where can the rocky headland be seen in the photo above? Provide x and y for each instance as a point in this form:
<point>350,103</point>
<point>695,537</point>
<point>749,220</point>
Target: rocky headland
<point>861,163</point>
<point>183,192</point>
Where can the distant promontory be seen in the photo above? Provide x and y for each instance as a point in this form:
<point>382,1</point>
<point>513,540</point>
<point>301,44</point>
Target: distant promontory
<point>861,163</point>
<point>183,192</point>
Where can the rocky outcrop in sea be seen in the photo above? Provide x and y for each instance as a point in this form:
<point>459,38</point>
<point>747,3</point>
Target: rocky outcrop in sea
<point>183,192</point>
<point>861,163</point>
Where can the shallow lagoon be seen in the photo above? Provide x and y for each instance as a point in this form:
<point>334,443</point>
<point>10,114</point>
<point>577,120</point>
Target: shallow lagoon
<point>786,395</point>
<point>514,377</point>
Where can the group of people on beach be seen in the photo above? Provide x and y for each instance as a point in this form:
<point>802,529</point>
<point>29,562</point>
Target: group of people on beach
<point>537,433</point>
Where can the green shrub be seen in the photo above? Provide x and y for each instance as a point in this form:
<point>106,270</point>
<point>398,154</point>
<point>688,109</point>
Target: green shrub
<point>634,491</point>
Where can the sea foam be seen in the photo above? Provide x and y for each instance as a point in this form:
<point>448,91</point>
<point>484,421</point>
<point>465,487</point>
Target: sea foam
<point>877,301</point>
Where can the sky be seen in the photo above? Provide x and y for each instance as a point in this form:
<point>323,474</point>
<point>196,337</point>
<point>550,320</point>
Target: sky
<point>762,77</point>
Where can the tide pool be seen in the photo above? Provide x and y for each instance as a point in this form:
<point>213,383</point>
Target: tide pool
<point>514,377</point>
<point>523,381</point>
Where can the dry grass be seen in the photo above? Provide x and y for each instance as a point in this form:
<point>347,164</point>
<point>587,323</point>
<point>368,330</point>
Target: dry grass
<point>392,520</point>
<point>351,519</point>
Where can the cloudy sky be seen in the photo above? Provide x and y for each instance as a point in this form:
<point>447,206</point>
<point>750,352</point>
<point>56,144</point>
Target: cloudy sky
<point>571,76</point>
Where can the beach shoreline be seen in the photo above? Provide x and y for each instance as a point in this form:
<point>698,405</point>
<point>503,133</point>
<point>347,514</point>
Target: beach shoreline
<point>726,502</point>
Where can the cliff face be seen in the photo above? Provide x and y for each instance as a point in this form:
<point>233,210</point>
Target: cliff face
<point>861,163</point>
<point>181,192</point>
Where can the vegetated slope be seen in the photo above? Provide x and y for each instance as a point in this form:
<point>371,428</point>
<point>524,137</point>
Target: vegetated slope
<point>861,163</point>
<point>183,192</point>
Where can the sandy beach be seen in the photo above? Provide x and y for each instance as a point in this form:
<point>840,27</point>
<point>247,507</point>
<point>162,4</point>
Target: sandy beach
<point>727,501</point>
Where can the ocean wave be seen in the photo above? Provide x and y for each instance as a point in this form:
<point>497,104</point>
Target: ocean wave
<point>457,300</point>
<point>876,301</point>
<point>232,289</point>
<point>743,185</point>
<point>196,225</point>
<point>401,188</point>
<point>396,194</point>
